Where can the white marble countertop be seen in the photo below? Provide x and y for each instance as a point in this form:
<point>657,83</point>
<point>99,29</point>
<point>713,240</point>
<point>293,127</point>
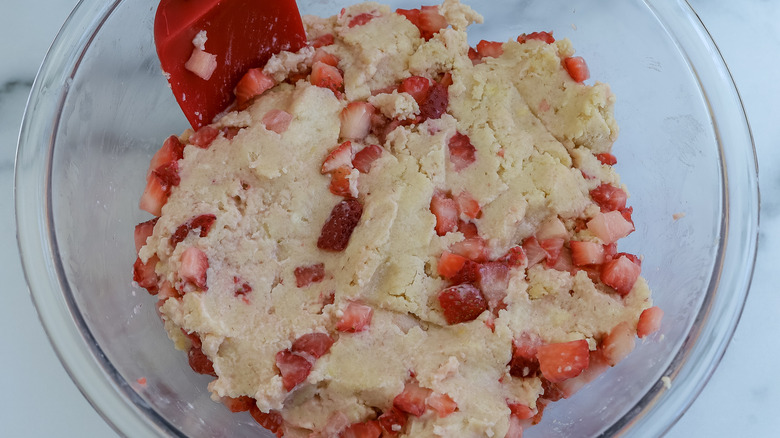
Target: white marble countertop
<point>741,399</point>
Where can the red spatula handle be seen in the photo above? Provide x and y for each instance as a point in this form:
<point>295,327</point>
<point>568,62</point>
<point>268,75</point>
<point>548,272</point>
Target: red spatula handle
<point>243,34</point>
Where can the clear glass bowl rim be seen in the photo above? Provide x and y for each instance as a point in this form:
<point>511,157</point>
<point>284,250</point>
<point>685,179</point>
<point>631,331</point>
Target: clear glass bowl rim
<point>120,406</point>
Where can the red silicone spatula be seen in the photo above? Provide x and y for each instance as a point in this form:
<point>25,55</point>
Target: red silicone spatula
<point>240,34</point>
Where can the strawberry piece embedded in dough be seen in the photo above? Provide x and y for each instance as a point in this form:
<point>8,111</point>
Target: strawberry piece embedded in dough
<point>585,253</point>
<point>238,404</point>
<point>577,68</point>
<point>492,49</point>
<point>610,226</point>
<point>365,158</point>
<point>609,197</point>
<point>446,211</point>
<point>618,343</point>
<point>649,321</point>
<point>462,303</point>
<point>194,264</point>
<point>307,275</point>
<point>366,429</point>
<point>443,404</point>
<point>204,136</point>
<point>315,344</point>
<point>252,84</point>
<point>338,228</point>
<point>356,318</point>
<point>356,120</point>
<point>563,360</point>
<point>326,76</point>
<point>462,152</point>
<point>412,399</point>
<point>272,420</point>
<point>341,156</point>
<point>277,120</point>
<point>546,37</point>
<point>620,273</point>
<point>294,368</point>
<point>142,232</point>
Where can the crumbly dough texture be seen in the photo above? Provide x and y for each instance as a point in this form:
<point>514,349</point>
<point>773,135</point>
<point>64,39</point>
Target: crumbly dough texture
<point>536,132</point>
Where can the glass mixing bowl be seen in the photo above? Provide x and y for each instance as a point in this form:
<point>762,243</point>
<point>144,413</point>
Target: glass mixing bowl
<point>100,108</point>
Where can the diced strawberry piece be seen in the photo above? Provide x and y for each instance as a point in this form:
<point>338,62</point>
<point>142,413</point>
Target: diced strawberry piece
<point>607,159</point>
<point>230,131</point>
<point>412,15</point>
<point>524,362</point>
<point>306,275</point>
<point>469,229</point>
<point>204,136</point>
<point>610,251</point>
<point>145,275</point>
<point>242,290</point>
<point>462,303</point>
<point>649,321</point>
<point>356,120</point>
<point>204,223</point>
<point>202,64</point>
<point>356,318</point>
<point>168,175</point>
<point>521,411</point>
<point>326,76</point>
<point>322,41</point>
<point>154,197</point>
<point>473,248</point>
<point>577,68</point>
<point>171,150</point>
<point>469,273</point>
<point>294,368</point>
<point>436,102</point>
<point>551,391</point>
<point>610,226</point>
<point>199,362</point>
<point>620,274</point>
<point>342,183</point>
<point>367,429</point>
<point>361,19</point>
<point>552,249</point>
<point>563,360</point>
<point>337,422</point>
<point>618,343</point>
<point>180,234</point>
<point>342,221</point>
<point>142,232</point>
<point>315,344</point>
<point>586,253</point>
<point>393,421</point>
<point>253,84</point>
<point>446,211</point>
<point>366,157</point>
<point>533,251</point>
<point>321,55</point>
<point>467,205</point>
<point>462,152</point>
<point>515,428</point>
<point>341,156</point>
<point>596,366</point>
<point>474,56</point>
<point>194,264</point>
<point>546,37</point>
<point>238,404</point>
<point>167,291</point>
<point>514,257</point>
<point>540,405</point>
<point>609,197</point>
<point>492,49</point>
<point>431,21</point>
<point>277,120</point>
<point>443,404</point>
<point>626,213</point>
<point>417,86</point>
<point>450,264</point>
<point>552,228</point>
<point>493,282</point>
<point>563,262</point>
<point>272,420</point>
<point>412,399</point>
<point>446,80</point>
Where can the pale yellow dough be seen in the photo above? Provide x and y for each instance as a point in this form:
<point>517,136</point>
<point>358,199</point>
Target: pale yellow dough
<point>535,131</point>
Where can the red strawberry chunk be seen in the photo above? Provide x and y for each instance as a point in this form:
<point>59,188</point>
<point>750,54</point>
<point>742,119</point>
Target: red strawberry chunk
<point>473,248</point>
<point>546,37</point>
<point>586,253</point>
<point>323,56</point>
<point>649,321</point>
<point>203,222</point>
<point>412,399</point>
<point>521,411</point>
<point>356,120</point>
<point>367,429</point>
<point>342,221</point>
<point>322,41</point>
<point>618,344</point>
<point>366,157</point>
<point>493,282</point>
<point>204,136</point>
<point>306,275</point>
<point>326,76</point>
<point>201,63</point>
<point>577,68</point>
<point>142,232</point>
<point>341,156</point>
<point>253,84</point>
<point>443,404</point>
<point>533,251</point>
<point>524,362</point>
<point>315,344</point>
<point>607,159</point>
<point>356,318</point>
<point>462,303</point>
<point>342,183</point>
<point>552,249</point>
<point>194,264</point>
<point>462,152</point>
<point>469,273</point>
<point>450,264</point>
<point>431,21</point>
<point>361,19</point>
<point>272,420</point>
<point>171,150</point>
<point>492,49</point>
<point>294,368</point>
<point>412,15</point>
<point>277,120</point>
<point>563,360</point>
<point>469,229</point>
<point>242,290</point>
<point>417,86</point>
<point>514,257</point>
<point>609,197</point>
<point>467,205</point>
<point>621,274</point>
<point>446,211</point>
<point>238,404</point>
<point>610,226</point>
<point>596,366</point>
<point>199,362</point>
<point>393,421</point>
<point>145,275</point>
<point>436,102</point>
<point>551,229</point>
<point>154,197</point>
<point>168,176</point>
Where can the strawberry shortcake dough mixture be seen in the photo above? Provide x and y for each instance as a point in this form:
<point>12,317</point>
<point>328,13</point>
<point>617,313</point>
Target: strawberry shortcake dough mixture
<point>396,234</point>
